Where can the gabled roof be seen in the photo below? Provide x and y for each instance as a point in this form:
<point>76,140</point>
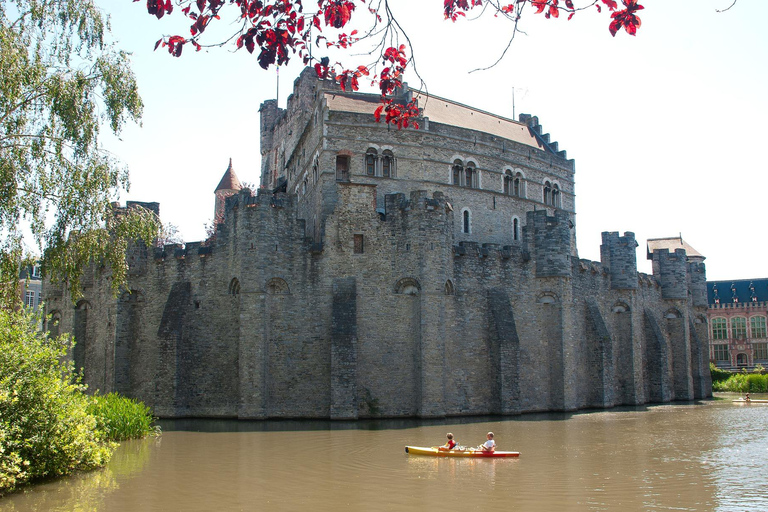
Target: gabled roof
<point>440,110</point>
<point>672,243</point>
<point>744,290</point>
<point>229,181</point>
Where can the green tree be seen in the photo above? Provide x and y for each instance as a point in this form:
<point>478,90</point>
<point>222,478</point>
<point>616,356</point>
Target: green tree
<point>60,82</point>
<point>46,429</point>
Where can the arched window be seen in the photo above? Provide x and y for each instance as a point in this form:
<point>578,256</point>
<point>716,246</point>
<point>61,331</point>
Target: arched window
<point>466,222</point>
<point>739,327</point>
<point>719,329</point>
<point>515,229</point>
<point>556,195</point>
<point>234,287</point>
<point>449,288</point>
<point>518,187</point>
<point>508,183</point>
<point>458,171</point>
<point>742,360</point>
<point>470,176</point>
<point>314,171</point>
<point>547,192</point>
<point>757,326</point>
<point>370,161</point>
<point>387,164</point>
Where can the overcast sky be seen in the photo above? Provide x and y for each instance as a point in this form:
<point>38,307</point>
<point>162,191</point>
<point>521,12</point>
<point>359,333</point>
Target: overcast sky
<point>667,128</point>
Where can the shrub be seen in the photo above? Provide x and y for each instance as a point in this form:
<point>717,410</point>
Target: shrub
<point>743,383</point>
<point>121,418</point>
<point>45,427</point>
<point>718,375</point>
<point>757,383</point>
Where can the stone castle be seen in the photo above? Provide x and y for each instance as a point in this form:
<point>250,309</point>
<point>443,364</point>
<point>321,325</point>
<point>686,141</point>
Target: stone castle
<point>393,273</point>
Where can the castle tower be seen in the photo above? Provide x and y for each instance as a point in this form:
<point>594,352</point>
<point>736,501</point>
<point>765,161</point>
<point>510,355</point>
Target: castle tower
<point>228,186</point>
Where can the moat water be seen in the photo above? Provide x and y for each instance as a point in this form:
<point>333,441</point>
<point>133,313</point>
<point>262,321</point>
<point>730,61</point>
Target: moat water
<point>707,456</point>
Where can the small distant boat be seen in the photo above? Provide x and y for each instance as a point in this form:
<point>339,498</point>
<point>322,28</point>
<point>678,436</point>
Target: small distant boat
<point>435,452</point>
<point>750,401</point>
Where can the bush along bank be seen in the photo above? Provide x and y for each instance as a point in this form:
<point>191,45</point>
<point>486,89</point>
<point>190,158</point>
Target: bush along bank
<point>122,418</point>
<point>49,427</point>
<point>743,382</point>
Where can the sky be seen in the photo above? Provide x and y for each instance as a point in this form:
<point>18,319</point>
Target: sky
<point>665,127</point>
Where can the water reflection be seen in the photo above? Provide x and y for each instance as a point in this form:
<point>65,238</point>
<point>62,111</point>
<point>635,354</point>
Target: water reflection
<point>694,457</point>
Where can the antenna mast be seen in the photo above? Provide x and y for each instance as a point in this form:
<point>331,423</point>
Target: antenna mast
<point>514,117</point>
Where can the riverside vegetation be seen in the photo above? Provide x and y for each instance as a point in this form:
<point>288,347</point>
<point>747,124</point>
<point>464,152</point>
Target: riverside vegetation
<point>49,427</point>
<point>744,382</point>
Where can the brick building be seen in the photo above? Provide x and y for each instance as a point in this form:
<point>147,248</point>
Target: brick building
<point>392,273</point>
<point>737,316</point>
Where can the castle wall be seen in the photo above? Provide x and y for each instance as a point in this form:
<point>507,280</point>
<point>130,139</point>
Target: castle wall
<point>368,298</point>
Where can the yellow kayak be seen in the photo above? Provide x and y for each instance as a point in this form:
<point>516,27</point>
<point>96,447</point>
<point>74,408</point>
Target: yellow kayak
<point>435,452</point>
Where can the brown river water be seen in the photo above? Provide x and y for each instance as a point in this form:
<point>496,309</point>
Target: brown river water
<point>707,456</point>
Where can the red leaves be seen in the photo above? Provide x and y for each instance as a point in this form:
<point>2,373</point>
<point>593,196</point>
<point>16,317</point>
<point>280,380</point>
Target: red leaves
<point>454,8</point>
<point>398,114</point>
<point>626,18</point>
<point>394,61</point>
<point>337,13</point>
<point>159,7</point>
<point>349,78</point>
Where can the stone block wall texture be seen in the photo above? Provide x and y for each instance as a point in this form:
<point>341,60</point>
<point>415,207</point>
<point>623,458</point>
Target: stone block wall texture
<point>366,298</point>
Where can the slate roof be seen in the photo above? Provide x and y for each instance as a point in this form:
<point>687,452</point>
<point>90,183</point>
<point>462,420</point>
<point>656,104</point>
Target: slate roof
<point>229,181</point>
<point>742,289</point>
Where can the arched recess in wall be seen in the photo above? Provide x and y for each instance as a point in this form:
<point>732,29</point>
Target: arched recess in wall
<point>700,319</point>
<point>620,307</point>
<point>53,324</point>
<point>234,287</point>
<point>449,288</point>
<point>80,332</point>
<point>547,298</point>
<point>128,338</point>
<point>277,286</point>
<point>672,313</point>
<point>407,286</point>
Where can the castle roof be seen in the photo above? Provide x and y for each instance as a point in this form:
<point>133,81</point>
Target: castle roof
<point>672,243</point>
<point>441,110</point>
<point>738,291</point>
<point>229,181</point>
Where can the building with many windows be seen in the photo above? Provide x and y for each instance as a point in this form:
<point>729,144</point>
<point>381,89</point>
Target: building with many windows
<point>737,316</point>
<point>31,286</point>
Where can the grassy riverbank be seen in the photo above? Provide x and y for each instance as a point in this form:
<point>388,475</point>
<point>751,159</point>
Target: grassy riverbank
<point>755,382</point>
<point>49,426</point>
